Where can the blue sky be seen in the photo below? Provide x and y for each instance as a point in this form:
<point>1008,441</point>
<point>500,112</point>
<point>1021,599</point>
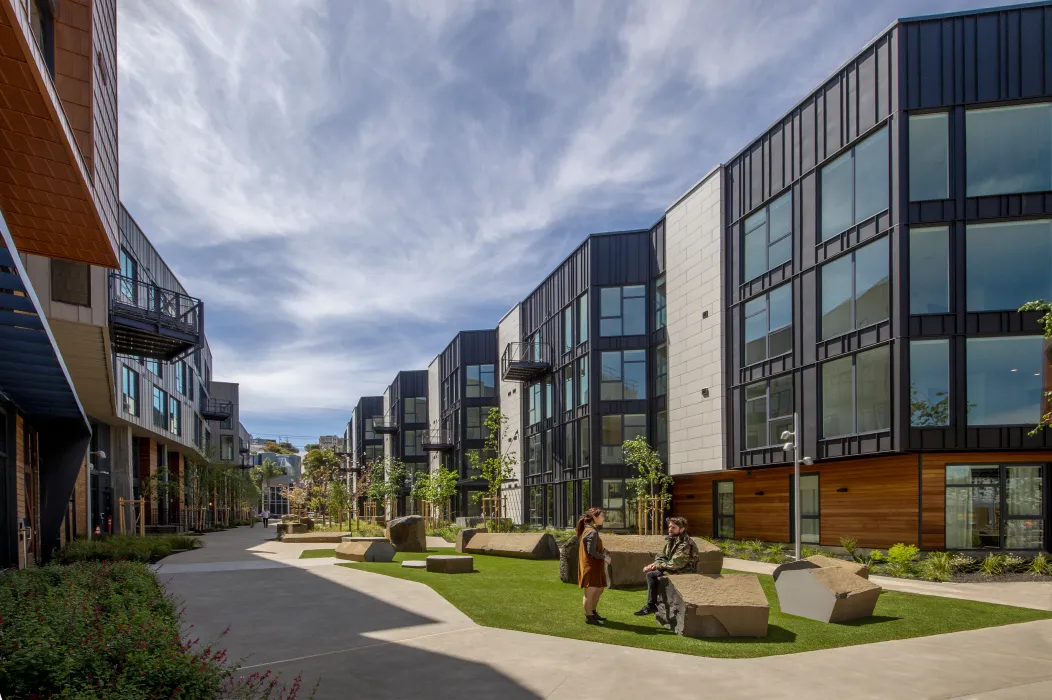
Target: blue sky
<point>348,184</point>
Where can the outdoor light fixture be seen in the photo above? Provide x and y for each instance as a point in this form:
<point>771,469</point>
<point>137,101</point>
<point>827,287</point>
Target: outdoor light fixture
<point>98,453</point>
<point>758,493</point>
<point>842,489</point>
<point>793,443</point>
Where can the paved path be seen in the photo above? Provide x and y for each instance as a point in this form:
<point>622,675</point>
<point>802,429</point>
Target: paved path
<point>372,636</point>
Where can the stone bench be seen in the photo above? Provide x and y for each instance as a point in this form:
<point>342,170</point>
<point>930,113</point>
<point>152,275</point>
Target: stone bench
<point>464,536</point>
<point>824,593</point>
<point>366,551</point>
<point>630,553</point>
<point>450,564</point>
<point>414,564</point>
<point>314,538</point>
<point>520,545</point>
<point>291,529</point>
<point>720,605</point>
<point>357,538</point>
<point>851,567</point>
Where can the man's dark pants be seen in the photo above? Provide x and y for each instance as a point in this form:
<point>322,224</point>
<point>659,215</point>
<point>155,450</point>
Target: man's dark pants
<point>654,576</point>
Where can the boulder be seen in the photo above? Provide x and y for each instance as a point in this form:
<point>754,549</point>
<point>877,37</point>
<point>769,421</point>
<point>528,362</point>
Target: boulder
<point>849,566</point>
<point>713,605</point>
<point>408,533</point>
<point>450,564</point>
<point>520,545</point>
<point>568,560</point>
<point>466,534</point>
<point>630,553</point>
<point>365,551</point>
<point>291,529</point>
<point>314,537</point>
<point>357,538</point>
<point>825,594</point>
<point>414,564</point>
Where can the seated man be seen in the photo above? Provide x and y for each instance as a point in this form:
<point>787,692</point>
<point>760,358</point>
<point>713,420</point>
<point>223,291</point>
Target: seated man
<point>680,556</point>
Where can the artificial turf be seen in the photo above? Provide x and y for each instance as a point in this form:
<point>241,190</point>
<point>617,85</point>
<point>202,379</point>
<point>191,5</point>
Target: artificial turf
<point>528,596</point>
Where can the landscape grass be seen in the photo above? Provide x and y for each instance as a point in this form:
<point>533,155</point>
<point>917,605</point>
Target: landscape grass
<point>528,596</point>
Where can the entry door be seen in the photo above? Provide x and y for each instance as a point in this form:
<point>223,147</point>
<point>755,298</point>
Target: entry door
<point>809,515</point>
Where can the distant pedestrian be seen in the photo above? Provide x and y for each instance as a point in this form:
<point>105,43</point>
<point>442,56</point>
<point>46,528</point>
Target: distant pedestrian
<point>266,517</point>
<point>591,563</point>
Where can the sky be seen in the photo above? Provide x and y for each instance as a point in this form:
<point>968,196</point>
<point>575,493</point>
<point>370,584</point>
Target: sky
<point>348,184</point>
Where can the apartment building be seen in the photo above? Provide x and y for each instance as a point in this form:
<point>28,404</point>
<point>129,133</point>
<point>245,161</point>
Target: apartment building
<point>365,444</point>
<point>403,426</point>
<point>462,390</point>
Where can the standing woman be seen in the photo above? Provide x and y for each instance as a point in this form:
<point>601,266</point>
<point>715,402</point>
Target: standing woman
<point>591,563</point>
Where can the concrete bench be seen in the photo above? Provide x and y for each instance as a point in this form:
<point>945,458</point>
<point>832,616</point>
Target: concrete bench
<point>314,538</point>
<point>414,564</point>
<point>824,593</point>
<point>630,553</point>
<point>464,536</point>
<point>520,545</point>
<point>450,564</point>
<point>366,551</point>
<point>720,605</point>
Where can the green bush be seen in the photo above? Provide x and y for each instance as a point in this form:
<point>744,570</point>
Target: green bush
<point>1041,565</point>
<point>902,561</point>
<point>126,548</point>
<point>963,564</point>
<point>938,566</point>
<point>1015,564</point>
<point>774,554</point>
<point>850,545</point>
<point>808,551</point>
<point>446,532</point>
<point>994,565</point>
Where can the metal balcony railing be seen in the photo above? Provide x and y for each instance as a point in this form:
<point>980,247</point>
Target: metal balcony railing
<point>437,439</point>
<point>524,362</point>
<point>151,321</point>
<point>385,424</point>
<point>216,409</point>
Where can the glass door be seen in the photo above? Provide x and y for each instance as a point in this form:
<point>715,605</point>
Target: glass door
<point>723,521</point>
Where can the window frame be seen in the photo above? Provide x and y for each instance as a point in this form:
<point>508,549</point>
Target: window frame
<point>620,317</point>
<point>603,446</point>
<point>160,416</point>
<point>718,516</point>
<point>416,402</point>
<point>851,256</point>
<point>175,416</point>
<point>568,328</point>
<point>766,296</point>
<point>768,243</point>
<point>1003,517</point>
<point>661,370</point>
<point>582,319</point>
<point>582,381</point>
<point>854,392</point>
<point>660,303</point>
<point>569,398</point>
<point>970,158</point>
<point>481,373</point>
<point>620,381</point>
<point>480,430</point>
<point>129,379</point>
<point>817,515</point>
<point>850,153</point>
<point>948,181</point>
<point>949,296</point>
<point>768,419</point>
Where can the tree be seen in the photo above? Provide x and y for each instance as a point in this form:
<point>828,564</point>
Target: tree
<point>493,466</point>
<point>1044,307</point>
<point>436,488</point>
<point>297,497</point>
<point>263,473</point>
<point>311,446</point>
<point>651,484</point>
<point>362,485</point>
<point>321,466</point>
<point>338,499</point>
<point>281,448</point>
<point>384,490</point>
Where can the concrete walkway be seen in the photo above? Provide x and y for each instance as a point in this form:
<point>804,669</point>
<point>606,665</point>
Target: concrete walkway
<point>371,636</point>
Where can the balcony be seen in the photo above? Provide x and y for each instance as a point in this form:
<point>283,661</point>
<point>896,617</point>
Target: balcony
<point>438,440</point>
<point>151,321</point>
<point>217,410</point>
<point>524,362</point>
<point>387,425</point>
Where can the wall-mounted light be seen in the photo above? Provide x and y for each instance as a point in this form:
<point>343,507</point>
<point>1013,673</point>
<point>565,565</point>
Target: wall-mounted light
<point>748,473</point>
<point>842,489</point>
<point>705,393</point>
<point>690,496</point>
<point>704,314</point>
<point>759,493</point>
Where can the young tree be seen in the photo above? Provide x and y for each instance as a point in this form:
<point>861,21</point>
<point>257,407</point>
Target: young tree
<point>388,482</point>
<point>436,488</point>
<point>651,484</point>
<point>361,486</point>
<point>263,473</point>
<point>1045,308</point>
<point>493,465</point>
<point>338,498</point>
<point>321,467</point>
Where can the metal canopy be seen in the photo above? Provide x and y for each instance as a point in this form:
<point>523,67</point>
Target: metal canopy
<point>32,373</point>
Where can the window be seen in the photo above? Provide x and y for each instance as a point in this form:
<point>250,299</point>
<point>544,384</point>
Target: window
<point>42,24</point>
<point>661,380</point>
<point>1005,380</point>
<point>768,411</point>
<point>227,423</point>
<point>160,406</point>
<point>71,282</point>
<point>569,447</point>
<point>571,511</point>
<point>855,185</point>
<point>549,505</point>
<point>769,325</point>
<point>930,270</point>
<point>995,506</point>
<point>480,382</point>
<point>929,157</point>
<point>535,504</point>
<point>370,433</point>
<point>415,410</point>
<point>130,272</point>
<point>476,425</point>
<point>624,375</point>
<point>568,398</point>
<point>617,429</point>
<point>180,378</point>
<point>154,367</point>
<point>1008,150</point>
<point>622,311</point>
<point>374,454</point>
<point>533,454</point>
<point>929,383</point>
<point>568,329</point>
<point>535,403</point>
<point>661,435</point>
<point>175,417</point>
<point>582,318</point>
<point>548,397</point>
<point>856,291</point>
<point>614,503</point>
<point>414,443</point>
<point>586,494</point>
<point>768,239</point>
<point>130,391</point>
<point>856,393</point>
<point>549,449</point>
<point>724,500</point>
<point>582,372</point>
<point>810,524</point>
<point>1008,264</point>
<point>584,442</point>
<point>660,318</point>
<point>226,448</point>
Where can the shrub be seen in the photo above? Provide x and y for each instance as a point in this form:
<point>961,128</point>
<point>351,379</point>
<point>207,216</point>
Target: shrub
<point>808,551</point>
<point>126,548</point>
<point>937,567</point>
<point>963,564</point>
<point>1014,564</point>
<point>724,545</point>
<point>993,565</point>
<point>774,554</point>
<point>850,545</point>
<point>901,561</point>
<point>1041,564</point>
<point>446,532</point>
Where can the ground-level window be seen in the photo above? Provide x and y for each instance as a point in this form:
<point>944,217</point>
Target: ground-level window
<point>535,506</point>
<point>999,506</point>
<point>723,523</point>
<point>614,503</point>
<point>809,511</point>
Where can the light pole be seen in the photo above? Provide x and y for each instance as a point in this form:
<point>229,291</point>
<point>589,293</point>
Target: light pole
<point>795,447</point>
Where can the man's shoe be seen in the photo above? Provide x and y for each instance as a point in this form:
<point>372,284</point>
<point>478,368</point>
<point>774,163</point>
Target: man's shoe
<point>599,617</point>
<point>647,609</point>
<point>594,620</point>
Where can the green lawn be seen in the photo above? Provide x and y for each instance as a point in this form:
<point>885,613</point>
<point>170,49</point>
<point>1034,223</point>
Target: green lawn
<point>528,596</point>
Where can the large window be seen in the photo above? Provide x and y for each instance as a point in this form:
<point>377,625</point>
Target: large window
<point>929,157</point>
<point>617,429</point>
<point>535,505</point>
<point>549,397</point>
<point>226,448</point>
<point>130,271</point>
<point>414,443</point>
<point>130,391</point>
<point>415,409</point>
<point>768,411</point>
<point>929,382</point>
<point>582,382</point>
<point>769,325</point>
<point>180,377</point>
<point>855,185</point>
<point>549,450</point>
<point>930,270</point>
<point>1008,264</point>
<point>569,447</point>
<point>856,291</point>
<point>568,397</point>
<point>623,311</point>
<point>614,503</point>
<point>160,408</point>
<point>535,403</point>
<point>1008,150</point>
<point>584,442</point>
<point>1005,380</point>
<point>856,393</point>
<point>480,382</point>
<point>724,500</point>
<point>533,454</point>
<point>476,422</point>
<point>568,329</point>
<point>661,376</point>
<point>175,416</point>
<point>768,238</point>
<point>154,367</point>
<point>582,318</point>
<point>660,301</point>
<point>995,506</point>
<point>370,434</point>
<point>624,375</point>
<point>810,516</point>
